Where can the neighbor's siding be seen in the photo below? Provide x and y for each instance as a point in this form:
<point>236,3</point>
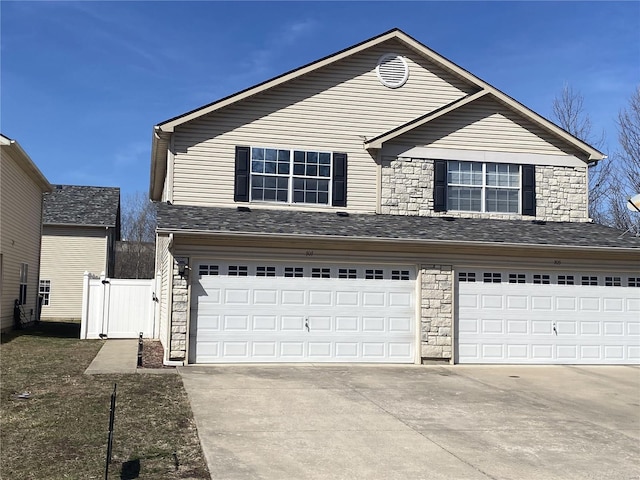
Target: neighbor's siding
<point>485,125</point>
<point>334,109</point>
<point>20,230</point>
<point>67,252</point>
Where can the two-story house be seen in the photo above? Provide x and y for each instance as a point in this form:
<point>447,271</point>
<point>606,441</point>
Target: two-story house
<point>21,187</point>
<point>383,204</point>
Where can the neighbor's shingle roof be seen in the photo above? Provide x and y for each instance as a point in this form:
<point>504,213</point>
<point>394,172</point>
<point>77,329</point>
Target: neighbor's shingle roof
<point>390,227</point>
<point>80,205</point>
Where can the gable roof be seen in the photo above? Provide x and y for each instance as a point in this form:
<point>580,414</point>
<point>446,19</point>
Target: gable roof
<point>162,131</point>
<point>82,206</point>
<point>394,228</point>
<point>24,161</point>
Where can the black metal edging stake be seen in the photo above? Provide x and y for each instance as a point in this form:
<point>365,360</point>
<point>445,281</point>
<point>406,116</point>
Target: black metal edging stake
<point>112,416</point>
<point>140,347</point>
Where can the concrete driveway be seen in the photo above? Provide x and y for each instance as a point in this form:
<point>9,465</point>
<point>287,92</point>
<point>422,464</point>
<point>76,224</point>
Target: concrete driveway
<point>417,422</point>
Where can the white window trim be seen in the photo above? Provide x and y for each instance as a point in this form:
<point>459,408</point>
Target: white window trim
<point>45,295</point>
<point>483,189</point>
<point>291,176</point>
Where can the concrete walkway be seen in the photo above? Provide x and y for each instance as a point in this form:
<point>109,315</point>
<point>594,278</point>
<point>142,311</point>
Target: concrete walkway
<point>115,356</point>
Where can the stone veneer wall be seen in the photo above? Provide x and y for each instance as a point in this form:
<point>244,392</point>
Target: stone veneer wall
<point>179,314</point>
<point>437,311</point>
<point>407,189</point>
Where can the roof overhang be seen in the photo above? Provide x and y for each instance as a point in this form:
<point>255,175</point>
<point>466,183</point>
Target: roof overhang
<point>25,162</point>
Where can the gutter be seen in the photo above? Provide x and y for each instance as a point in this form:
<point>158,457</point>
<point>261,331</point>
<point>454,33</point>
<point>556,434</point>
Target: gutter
<point>404,241</point>
<point>159,150</point>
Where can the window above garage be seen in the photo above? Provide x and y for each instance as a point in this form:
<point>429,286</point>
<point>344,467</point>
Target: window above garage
<point>484,187</point>
<point>290,176</point>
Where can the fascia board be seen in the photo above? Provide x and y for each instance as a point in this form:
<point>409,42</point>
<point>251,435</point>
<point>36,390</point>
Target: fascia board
<point>24,161</point>
<point>401,241</point>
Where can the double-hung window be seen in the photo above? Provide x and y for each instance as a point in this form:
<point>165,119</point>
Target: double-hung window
<point>24,281</point>
<point>483,187</point>
<point>290,176</point>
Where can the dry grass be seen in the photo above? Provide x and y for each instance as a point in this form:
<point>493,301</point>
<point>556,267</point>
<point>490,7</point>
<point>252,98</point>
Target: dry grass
<point>61,431</point>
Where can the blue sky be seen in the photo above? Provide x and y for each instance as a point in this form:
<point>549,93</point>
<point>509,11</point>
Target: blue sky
<point>83,83</point>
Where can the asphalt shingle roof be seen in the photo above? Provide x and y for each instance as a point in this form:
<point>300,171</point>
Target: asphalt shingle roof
<point>80,205</point>
<point>389,227</point>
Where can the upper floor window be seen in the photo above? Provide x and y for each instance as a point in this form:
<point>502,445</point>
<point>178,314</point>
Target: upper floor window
<point>290,176</point>
<point>483,187</point>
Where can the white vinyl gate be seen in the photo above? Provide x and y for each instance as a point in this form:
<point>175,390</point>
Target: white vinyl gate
<point>117,308</point>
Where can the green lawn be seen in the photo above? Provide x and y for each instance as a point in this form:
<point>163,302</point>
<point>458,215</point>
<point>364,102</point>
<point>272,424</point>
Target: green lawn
<point>61,431</point>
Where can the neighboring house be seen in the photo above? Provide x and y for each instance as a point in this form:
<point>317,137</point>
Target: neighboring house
<point>383,204</point>
<point>81,227</point>
<point>21,187</point>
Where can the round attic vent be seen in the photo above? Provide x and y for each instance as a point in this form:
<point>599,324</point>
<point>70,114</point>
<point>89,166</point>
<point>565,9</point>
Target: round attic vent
<point>392,70</point>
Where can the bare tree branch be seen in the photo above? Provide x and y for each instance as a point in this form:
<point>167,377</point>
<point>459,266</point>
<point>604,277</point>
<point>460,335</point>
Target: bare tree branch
<point>626,178</point>
<point>568,111</point>
<point>135,254</point>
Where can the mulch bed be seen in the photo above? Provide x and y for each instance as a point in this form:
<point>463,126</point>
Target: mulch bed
<point>152,354</point>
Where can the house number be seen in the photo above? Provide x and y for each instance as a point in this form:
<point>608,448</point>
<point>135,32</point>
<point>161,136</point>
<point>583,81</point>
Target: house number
<point>309,253</point>
<point>557,262</point>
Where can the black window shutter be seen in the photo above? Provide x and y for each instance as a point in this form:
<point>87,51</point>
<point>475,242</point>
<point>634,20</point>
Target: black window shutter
<point>241,187</point>
<point>529,190</point>
<point>440,185</point>
<point>339,186</point>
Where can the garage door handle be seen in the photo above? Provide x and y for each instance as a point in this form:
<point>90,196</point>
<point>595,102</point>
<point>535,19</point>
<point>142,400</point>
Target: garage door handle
<point>554,329</point>
<point>306,324</point>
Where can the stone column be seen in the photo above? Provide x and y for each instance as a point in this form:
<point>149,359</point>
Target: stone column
<point>179,311</point>
<point>437,311</point>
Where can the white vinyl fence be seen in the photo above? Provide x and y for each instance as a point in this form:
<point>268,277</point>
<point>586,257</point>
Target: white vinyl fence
<point>117,308</point>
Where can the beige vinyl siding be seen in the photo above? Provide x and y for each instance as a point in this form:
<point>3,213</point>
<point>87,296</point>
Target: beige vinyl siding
<point>163,262</point>
<point>67,252</point>
<point>489,126</point>
<point>20,229</point>
<point>333,109</point>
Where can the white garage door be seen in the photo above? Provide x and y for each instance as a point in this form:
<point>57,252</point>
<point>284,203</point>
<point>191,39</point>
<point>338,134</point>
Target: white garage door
<point>548,317</point>
<point>277,312</point>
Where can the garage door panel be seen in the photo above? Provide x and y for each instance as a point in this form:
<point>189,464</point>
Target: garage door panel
<point>400,324</point>
<point>302,318</point>
<point>265,297</point>
<point>293,324</point>
<point>237,296</point>
<point>373,299</point>
<point>590,304</point>
<point>346,324</point>
<point>613,304</point>
<point>347,299</point>
<point>264,349</point>
<point>546,321</point>
<point>292,349</point>
<point>292,297</point>
<point>633,305</point>
<point>373,324</point>
<point>320,349</point>
<point>541,302</point>
<point>265,323</point>
<point>517,327</point>
<point>517,302</point>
